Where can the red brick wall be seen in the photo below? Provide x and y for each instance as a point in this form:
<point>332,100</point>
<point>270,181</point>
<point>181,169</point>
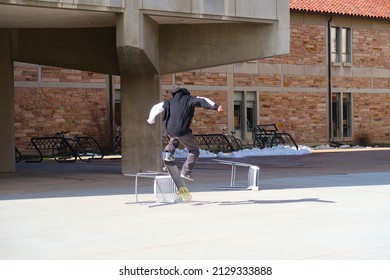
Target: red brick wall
<point>53,74</point>
<point>241,79</point>
<point>371,48</point>
<point>307,46</point>
<point>351,82</point>
<point>43,111</point>
<point>200,78</point>
<point>207,121</point>
<point>371,117</point>
<point>295,100</point>
<point>26,73</point>
<point>301,114</point>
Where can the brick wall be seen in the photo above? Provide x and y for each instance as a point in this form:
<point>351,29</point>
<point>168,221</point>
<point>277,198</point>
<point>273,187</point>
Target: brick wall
<point>207,121</point>
<point>42,109</point>
<point>371,48</point>
<point>302,114</point>
<point>241,79</point>
<point>307,46</point>
<point>371,118</point>
<point>201,78</point>
<point>292,89</point>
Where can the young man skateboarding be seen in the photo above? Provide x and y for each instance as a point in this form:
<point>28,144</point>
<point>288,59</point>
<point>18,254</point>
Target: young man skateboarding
<point>178,114</point>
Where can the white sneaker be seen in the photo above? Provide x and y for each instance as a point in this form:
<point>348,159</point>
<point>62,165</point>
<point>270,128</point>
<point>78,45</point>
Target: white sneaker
<point>187,177</point>
<point>169,157</point>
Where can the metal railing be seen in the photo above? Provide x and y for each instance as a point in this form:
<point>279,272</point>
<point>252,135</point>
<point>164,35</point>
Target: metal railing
<point>66,148</point>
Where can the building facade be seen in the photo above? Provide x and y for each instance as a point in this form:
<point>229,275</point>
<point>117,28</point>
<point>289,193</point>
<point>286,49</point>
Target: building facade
<point>333,87</point>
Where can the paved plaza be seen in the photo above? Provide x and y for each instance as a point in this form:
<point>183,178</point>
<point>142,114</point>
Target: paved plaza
<point>326,205</point>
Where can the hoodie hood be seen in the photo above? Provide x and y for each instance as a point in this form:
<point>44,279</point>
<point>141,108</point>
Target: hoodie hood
<point>183,91</point>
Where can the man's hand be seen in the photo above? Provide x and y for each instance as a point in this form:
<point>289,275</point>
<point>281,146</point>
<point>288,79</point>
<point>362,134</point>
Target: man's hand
<point>220,108</point>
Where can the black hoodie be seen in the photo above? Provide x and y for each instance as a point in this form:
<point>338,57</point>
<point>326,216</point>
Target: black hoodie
<point>180,109</point>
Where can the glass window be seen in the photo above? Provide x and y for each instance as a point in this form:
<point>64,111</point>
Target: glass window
<point>334,44</point>
<point>346,45</point>
<point>250,111</point>
<point>341,115</point>
<point>245,113</point>
<point>347,115</point>
<point>238,99</point>
<point>336,115</point>
<point>341,44</point>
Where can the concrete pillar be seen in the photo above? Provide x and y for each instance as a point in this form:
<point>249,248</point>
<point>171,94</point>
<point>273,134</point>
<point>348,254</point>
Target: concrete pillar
<point>141,142</point>
<point>138,57</point>
<point>7,124</point>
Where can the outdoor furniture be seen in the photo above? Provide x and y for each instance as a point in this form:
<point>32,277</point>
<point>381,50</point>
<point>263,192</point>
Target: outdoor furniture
<point>253,174</point>
<point>165,190</point>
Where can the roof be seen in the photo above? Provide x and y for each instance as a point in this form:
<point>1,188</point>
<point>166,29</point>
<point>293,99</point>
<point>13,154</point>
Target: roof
<point>362,8</point>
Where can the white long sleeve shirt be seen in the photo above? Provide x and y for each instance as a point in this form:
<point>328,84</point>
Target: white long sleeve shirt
<point>154,112</point>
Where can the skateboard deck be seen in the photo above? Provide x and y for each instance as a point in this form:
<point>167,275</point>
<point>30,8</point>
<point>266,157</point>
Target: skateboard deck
<point>174,171</point>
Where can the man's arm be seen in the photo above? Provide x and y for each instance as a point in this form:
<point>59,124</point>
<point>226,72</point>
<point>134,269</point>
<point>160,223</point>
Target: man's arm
<point>154,112</point>
<point>207,103</point>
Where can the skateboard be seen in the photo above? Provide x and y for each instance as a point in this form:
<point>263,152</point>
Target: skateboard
<point>174,171</point>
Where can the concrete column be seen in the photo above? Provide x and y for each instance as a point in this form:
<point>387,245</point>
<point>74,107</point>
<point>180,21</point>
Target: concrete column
<point>141,142</point>
<point>7,124</point>
<point>138,57</point>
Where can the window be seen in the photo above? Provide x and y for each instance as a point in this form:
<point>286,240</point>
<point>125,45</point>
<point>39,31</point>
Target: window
<point>250,111</point>
<point>238,98</point>
<point>245,113</point>
<point>341,44</point>
<point>341,115</point>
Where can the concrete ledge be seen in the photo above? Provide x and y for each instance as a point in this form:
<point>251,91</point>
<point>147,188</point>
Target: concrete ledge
<point>91,5</point>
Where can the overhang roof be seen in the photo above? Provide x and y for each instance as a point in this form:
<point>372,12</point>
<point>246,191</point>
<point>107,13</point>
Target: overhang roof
<point>363,8</point>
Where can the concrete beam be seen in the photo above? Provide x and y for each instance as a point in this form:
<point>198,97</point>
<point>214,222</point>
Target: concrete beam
<point>90,5</point>
<point>194,46</point>
<point>137,35</point>
<point>90,49</point>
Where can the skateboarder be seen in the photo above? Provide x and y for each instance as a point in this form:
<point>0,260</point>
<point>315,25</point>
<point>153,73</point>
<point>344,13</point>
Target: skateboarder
<point>178,114</point>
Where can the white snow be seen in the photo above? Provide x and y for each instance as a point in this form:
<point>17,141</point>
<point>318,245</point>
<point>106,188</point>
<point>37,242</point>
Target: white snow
<point>253,152</point>
<point>256,152</point>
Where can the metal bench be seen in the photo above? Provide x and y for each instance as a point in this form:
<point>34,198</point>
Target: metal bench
<point>165,190</point>
<point>253,174</point>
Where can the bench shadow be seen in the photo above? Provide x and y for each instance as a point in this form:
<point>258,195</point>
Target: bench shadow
<point>153,204</point>
<point>255,201</point>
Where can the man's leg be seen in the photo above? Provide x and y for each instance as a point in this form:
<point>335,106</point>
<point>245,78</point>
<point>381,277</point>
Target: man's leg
<point>190,143</point>
<point>170,148</point>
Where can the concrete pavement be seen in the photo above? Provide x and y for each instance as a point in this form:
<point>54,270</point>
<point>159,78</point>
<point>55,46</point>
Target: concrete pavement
<point>325,205</point>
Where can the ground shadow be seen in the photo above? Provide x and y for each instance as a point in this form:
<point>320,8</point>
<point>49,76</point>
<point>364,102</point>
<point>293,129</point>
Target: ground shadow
<point>153,204</point>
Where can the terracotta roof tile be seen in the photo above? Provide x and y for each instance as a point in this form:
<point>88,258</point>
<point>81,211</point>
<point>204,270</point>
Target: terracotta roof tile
<point>363,8</point>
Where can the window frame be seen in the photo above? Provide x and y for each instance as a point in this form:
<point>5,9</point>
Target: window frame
<point>342,124</point>
<point>246,102</point>
<point>341,45</point>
